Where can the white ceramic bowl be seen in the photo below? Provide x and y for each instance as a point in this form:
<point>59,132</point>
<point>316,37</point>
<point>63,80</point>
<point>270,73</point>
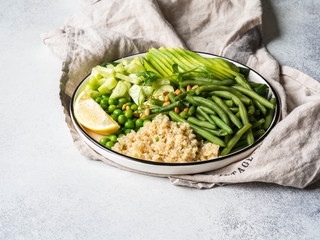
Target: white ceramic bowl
<point>92,139</point>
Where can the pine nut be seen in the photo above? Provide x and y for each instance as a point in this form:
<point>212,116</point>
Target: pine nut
<point>195,86</point>
<point>176,110</point>
<point>165,104</point>
<point>147,112</point>
<point>124,106</point>
<point>177,92</point>
<point>167,99</point>
<point>188,88</point>
<point>186,109</point>
<point>128,108</point>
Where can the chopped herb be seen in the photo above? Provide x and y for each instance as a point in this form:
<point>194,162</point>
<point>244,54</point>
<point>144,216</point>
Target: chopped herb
<point>149,77</point>
<point>157,139</point>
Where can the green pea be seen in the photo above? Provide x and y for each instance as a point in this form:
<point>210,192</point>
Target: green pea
<point>112,138</point>
<point>128,113</point>
<point>122,119</point>
<point>127,131</point>
<point>111,108</point>
<point>114,116</point>
<point>98,99</point>
<point>129,104</point>
<point>129,124</point>
<point>121,135</point>
<point>134,107</point>
<point>104,106</point>
<point>137,129</point>
<point>104,101</point>
<point>113,101</point>
<point>184,114</point>
<point>117,112</point>
<point>145,121</point>
<point>119,131</point>
<point>122,100</point>
<point>107,96</point>
<point>139,122</point>
<point>109,144</point>
<point>103,141</point>
<point>120,105</point>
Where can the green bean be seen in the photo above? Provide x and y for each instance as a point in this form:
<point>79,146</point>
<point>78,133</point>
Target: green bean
<point>234,109</point>
<point>198,130</point>
<point>258,123</point>
<point>184,94</point>
<point>221,124</point>
<point>226,82</point>
<point>185,103</point>
<point>204,115</point>
<point>238,148</point>
<point>191,100</point>
<point>269,115</point>
<point>200,117</point>
<point>255,96</point>
<point>224,107</point>
<point>221,92</point>
<point>165,108</point>
<point>229,103</point>
<point>242,113</point>
<point>260,106</point>
<point>182,89</point>
<point>201,123</point>
<point>152,116</point>
<point>210,104</point>
<point>217,132</point>
<point>227,138</point>
<point>259,133</point>
<point>240,79</point>
<point>251,109</point>
<point>192,110</point>
<point>208,110</point>
<point>171,96</point>
<point>156,102</point>
<point>235,139</point>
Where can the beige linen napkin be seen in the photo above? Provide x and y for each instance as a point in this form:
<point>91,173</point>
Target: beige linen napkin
<point>107,30</point>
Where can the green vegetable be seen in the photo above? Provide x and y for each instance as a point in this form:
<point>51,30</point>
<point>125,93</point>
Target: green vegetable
<point>269,115</point>
<point>201,123</point>
<point>235,139</point>
<point>129,124</point>
<point>109,144</point>
<point>198,130</point>
<point>103,141</point>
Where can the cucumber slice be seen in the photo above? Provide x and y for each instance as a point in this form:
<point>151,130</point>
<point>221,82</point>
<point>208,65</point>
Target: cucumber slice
<point>160,82</point>
<point>93,83</point>
<point>108,85</point>
<point>148,90</point>
<point>119,68</point>
<point>134,68</point>
<point>120,90</point>
<point>132,78</point>
<point>162,89</point>
<point>137,94</point>
<point>104,72</point>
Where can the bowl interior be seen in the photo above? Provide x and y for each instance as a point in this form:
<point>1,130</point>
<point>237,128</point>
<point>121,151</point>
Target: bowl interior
<point>93,138</point>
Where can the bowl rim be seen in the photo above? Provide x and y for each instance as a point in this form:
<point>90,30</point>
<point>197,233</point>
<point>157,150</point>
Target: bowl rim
<point>218,159</point>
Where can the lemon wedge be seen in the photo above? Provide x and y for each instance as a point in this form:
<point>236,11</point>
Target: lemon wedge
<point>91,115</point>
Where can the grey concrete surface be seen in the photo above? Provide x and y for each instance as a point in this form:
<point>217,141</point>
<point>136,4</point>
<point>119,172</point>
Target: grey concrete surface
<point>291,31</point>
<point>49,191</point>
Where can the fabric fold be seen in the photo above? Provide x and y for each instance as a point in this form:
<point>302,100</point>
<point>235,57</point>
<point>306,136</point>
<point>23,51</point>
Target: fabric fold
<point>108,30</point>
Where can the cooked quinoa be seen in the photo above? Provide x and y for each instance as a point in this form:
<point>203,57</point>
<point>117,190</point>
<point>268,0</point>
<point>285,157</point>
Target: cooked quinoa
<point>163,140</point>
